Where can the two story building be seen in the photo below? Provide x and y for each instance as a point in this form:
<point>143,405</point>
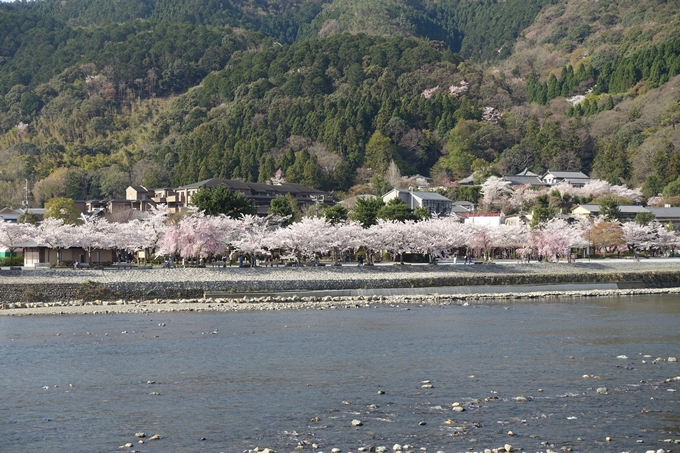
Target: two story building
<point>434,202</point>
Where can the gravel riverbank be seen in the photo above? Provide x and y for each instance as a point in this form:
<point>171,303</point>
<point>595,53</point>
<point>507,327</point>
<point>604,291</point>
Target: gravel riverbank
<point>65,291</point>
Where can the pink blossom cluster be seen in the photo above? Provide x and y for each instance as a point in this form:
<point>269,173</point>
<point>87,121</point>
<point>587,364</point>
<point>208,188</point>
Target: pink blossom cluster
<point>498,193</point>
<point>597,188</point>
<point>460,89</point>
<point>200,236</point>
<point>491,115</point>
<point>430,92</point>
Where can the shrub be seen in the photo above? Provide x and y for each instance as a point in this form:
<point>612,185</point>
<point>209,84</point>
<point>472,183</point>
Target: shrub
<point>12,261</point>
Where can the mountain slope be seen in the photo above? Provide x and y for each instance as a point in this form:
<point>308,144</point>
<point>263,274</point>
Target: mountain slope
<point>331,92</point>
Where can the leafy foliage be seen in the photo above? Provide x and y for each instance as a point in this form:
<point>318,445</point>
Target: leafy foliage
<point>63,209</point>
<point>220,200</point>
<point>366,211</point>
<point>655,65</point>
<point>95,96</point>
<point>396,209</point>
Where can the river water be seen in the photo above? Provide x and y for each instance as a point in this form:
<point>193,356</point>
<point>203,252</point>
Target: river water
<point>261,379</point>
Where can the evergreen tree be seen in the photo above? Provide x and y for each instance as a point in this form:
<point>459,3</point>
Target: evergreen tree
<point>609,209</point>
<point>396,209</point>
<point>285,207</point>
<point>221,200</point>
<point>64,209</point>
<point>379,153</point>
<point>542,211</point>
<point>366,210</point>
<point>335,214</point>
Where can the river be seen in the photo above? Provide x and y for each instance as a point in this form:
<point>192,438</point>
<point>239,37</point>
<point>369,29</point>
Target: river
<point>229,382</point>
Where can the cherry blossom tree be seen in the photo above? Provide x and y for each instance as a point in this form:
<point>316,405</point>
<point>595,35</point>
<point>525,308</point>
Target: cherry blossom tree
<point>523,197</point>
<point>125,237</point>
<point>552,239</point>
<point>92,233</point>
<point>436,235</point>
<point>638,237</point>
<point>594,188</point>
<point>252,236</point>
<point>12,235</point>
<point>666,238</point>
<point>56,235</point>
<point>307,238</point>
<point>349,235</point>
<point>395,236</point>
<point>494,189</point>
<point>624,192</point>
<point>154,227</point>
<point>479,239</point>
<point>509,237</point>
<point>199,237</point>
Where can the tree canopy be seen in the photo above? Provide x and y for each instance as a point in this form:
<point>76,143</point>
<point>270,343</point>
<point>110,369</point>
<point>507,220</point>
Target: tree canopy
<point>64,209</point>
<point>366,211</point>
<point>221,200</point>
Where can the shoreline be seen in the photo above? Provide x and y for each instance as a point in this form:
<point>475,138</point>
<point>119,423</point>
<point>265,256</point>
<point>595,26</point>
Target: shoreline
<point>286,303</point>
<point>62,291</point>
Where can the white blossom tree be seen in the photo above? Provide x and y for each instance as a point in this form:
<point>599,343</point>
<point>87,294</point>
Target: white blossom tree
<point>154,227</point>
<point>638,237</point>
<point>92,233</point>
<point>56,235</point>
<point>395,237</point>
<point>494,189</point>
<point>12,235</point>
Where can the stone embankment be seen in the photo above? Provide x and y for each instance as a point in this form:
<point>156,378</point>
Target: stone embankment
<point>144,290</point>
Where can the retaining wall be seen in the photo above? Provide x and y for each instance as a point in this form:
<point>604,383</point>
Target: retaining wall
<point>53,292</point>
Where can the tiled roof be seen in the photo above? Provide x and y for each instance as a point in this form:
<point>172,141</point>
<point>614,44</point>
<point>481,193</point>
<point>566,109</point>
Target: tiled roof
<point>665,213</point>
<point>567,174</point>
<point>523,180</point>
<point>430,196</point>
<point>624,209</point>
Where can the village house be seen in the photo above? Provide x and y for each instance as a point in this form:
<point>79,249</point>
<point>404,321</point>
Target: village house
<point>434,202</point>
<point>667,214</point>
<point>525,177</point>
<point>627,212</point>
<point>575,178</point>
<point>178,199</point>
<point>12,215</point>
<point>39,255</point>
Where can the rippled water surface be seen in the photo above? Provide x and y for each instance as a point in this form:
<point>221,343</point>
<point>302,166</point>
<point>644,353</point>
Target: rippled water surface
<point>257,379</point>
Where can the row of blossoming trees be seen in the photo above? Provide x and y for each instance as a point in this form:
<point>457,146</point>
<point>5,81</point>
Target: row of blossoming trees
<point>497,193</point>
<point>200,236</point>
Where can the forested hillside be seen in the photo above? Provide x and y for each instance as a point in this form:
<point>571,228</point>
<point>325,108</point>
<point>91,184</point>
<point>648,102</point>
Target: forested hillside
<point>98,95</point>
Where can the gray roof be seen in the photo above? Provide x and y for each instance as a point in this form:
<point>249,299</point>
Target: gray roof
<point>526,172</point>
<point>468,180</point>
<point>567,174</point>
<point>430,196</point>
<point>254,186</point>
<point>665,213</point>
<point>523,180</point>
<point>624,208</point>
<point>459,208</point>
